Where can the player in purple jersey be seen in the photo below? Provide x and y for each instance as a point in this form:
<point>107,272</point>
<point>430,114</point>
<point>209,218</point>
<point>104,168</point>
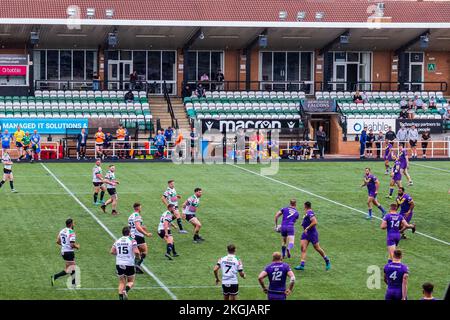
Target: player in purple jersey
<point>396,278</point>
<point>387,155</point>
<point>372,184</point>
<point>406,204</point>
<point>394,225</point>
<point>396,178</point>
<point>277,272</point>
<point>310,234</point>
<point>287,229</point>
<point>427,290</point>
<point>404,163</point>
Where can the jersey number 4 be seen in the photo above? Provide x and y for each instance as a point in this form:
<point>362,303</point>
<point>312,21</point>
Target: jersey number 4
<point>393,275</point>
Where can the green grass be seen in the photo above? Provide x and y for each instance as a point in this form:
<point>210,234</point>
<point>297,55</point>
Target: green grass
<point>237,207</point>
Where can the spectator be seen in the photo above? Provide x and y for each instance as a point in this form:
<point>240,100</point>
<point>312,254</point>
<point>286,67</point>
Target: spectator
<point>133,79</point>
<point>402,136</point>
<point>127,145</point>
<point>81,144</point>
<point>95,82</point>
<point>321,138</point>
<point>307,151</point>
<point>369,143</point>
<point>168,133</point>
<point>204,77</point>
<point>432,103</point>
<point>411,109</point>
<point>160,142</point>
<point>425,138</point>
<point>403,114</point>
<point>296,152</point>
<point>121,133</point>
<point>362,143</point>
<point>390,135</point>
<point>200,91</point>
<point>357,97</point>
<point>413,136</point>
<point>378,140</point>
<point>194,139</point>
<point>418,103</point>
<point>187,92</point>
<point>403,103</point>
<point>427,290</point>
<point>129,96</point>
<point>220,78</point>
<point>107,143</point>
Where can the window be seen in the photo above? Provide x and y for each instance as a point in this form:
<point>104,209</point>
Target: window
<point>201,62</point>
<point>154,65</point>
<point>65,62</point>
<point>78,65</point>
<point>168,65</point>
<point>52,65</point>
<point>139,63</point>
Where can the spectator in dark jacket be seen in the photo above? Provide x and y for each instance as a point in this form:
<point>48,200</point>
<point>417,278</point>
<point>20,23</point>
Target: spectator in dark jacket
<point>390,135</point>
<point>187,92</point>
<point>321,138</point>
<point>378,140</point>
<point>200,91</point>
<point>107,143</point>
<point>129,96</point>
<point>81,144</point>
<point>362,143</point>
<point>403,114</point>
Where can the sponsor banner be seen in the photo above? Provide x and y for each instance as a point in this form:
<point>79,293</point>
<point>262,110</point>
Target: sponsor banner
<point>13,60</point>
<point>13,70</point>
<point>234,125</point>
<point>432,125</point>
<point>355,126</point>
<point>43,125</point>
<point>319,106</point>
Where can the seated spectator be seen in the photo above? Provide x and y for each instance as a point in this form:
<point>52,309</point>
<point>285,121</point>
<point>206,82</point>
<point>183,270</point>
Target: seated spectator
<point>403,103</point>
<point>296,152</point>
<point>129,96</point>
<point>187,92</point>
<point>200,91</point>
<point>403,114</point>
<point>204,77</point>
<point>307,151</point>
<point>357,97</point>
<point>411,110</point>
<point>432,103</point>
<point>418,102</point>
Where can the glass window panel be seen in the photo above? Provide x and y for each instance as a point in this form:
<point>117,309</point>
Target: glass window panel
<point>78,65</point>
<point>139,63</point>
<point>37,65</point>
<point>266,67</point>
<point>306,66</point>
<point>416,57</point>
<point>216,64</point>
<point>340,56</point>
<point>168,65</point>
<point>190,62</point>
<point>113,55</point>
<point>416,73</point>
<point>52,65</point>
<point>125,55</point>
<point>65,60</point>
<point>353,56</point>
<point>203,64</point>
<point>154,65</point>
<point>91,64</point>
<point>293,66</point>
<point>279,66</point>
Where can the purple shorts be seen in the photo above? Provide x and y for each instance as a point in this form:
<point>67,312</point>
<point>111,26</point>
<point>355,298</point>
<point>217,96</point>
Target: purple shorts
<point>393,239</point>
<point>393,294</point>
<point>408,219</point>
<point>276,296</point>
<point>388,157</point>
<point>372,194</point>
<point>287,231</point>
<point>403,165</point>
<point>397,178</point>
<point>311,236</point>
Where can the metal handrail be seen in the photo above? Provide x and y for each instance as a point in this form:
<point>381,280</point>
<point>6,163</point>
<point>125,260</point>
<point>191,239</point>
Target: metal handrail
<point>169,106</point>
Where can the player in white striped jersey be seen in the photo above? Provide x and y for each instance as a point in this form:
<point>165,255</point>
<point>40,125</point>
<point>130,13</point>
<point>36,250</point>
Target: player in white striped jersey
<point>111,182</point>
<point>138,232</point>
<point>67,240</point>
<point>97,181</point>
<point>190,207</point>
<point>231,266</point>
<point>7,171</point>
<point>170,196</point>
<point>126,251</point>
<point>164,232</point>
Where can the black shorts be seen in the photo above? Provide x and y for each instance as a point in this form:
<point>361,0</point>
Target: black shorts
<point>125,271</point>
<point>19,144</point>
<point>99,145</point>
<point>162,233</point>
<point>230,289</point>
<point>368,144</point>
<point>26,147</point>
<point>7,171</point>
<point>111,191</point>
<point>68,256</point>
<point>97,184</point>
<point>139,240</point>
<point>189,216</point>
<point>413,143</point>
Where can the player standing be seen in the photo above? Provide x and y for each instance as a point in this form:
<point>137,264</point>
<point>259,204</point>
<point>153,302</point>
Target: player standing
<point>190,207</point>
<point>26,142</point>
<point>126,251</point>
<point>406,204</point>
<point>99,141</point>
<point>396,278</point>
<point>170,196</point>
<point>111,182</point>
<point>97,181</point>
<point>67,240</point>
<point>35,146</point>
<point>396,178</point>
<point>373,185</point>
<point>290,216</point>
<point>310,234</point>
<point>404,163</point>
<point>387,155</point>
<point>164,232</point>
<point>138,232</point>
<point>230,266</point>
<point>7,171</point>
<point>6,138</point>
<point>18,136</point>
<point>277,272</point>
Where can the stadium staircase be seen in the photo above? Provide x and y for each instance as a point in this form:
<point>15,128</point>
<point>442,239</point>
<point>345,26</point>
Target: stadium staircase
<point>159,111</point>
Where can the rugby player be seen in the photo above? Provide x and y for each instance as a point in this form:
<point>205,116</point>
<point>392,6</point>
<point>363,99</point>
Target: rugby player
<point>18,136</point>
<point>35,146</point>
<point>230,265</point>
<point>97,181</point>
<point>111,182</point>
<point>126,252</point>
<point>387,155</point>
<point>170,196</point>
<point>164,232</point>
<point>396,178</point>
<point>6,138</point>
<point>310,234</point>
<point>394,225</point>
<point>427,290</point>
<point>373,185</point>
<point>290,216</point>
<point>404,163</point>
<point>190,207</point>
<point>99,140</point>
<point>7,171</point>
<point>406,204</point>
<point>67,240</point>
<point>138,232</point>
<point>396,278</point>
<point>277,272</point>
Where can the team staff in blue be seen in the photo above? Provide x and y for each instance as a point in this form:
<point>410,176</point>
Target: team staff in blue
<point>35,146</point>
<point>6,138</point>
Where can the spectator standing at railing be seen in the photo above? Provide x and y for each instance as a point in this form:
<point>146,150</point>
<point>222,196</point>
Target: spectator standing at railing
<point>378,140</point>
<point>362,143</point>
<point>413,136</point>
<point>204,77</point>
<point>402,136</point>
<point>425,138</point>
<point>107,143</point>
<point>133,79</point>
<point>220,78</point>
<point>81,144</point>
<point>390,135</point>
<point>321,138</point>
<point>168,133</point>
<point>160,142</point>
<point>121,132</point>
<point>369,143</point>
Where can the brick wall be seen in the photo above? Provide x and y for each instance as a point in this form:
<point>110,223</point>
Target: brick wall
<point>442,72</point>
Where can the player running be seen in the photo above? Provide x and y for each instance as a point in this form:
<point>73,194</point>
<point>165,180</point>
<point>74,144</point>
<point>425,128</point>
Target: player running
<point>290,216</point>
<point>126,251</point>
<point>404,163</point>
<point>138,232</point>
<point>406,204</point>
<point>396,178</point>
<point>97,181</point>
<point>310,234</point>
<point>111,182</point>
<point>396,278</point>
<point>277,272</point>
<point>394,225</point>
<point>35,145</point>
<point>67,240</point>
<point>170,196</point>
<point>7,171</point>
<point>373,185</point>
<point>164,232</point>
<point>230,266</point>
<point>6,138</point>
<point>190,207</point>
<point>388,156</point>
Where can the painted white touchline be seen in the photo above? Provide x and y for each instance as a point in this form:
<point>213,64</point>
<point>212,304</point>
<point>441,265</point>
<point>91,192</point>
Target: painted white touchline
<point>154,287</point>
<point>329,200</point>
<point>430,167</point>
<point>150,273</point>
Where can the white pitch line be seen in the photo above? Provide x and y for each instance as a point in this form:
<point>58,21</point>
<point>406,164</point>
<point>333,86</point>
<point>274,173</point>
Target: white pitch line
<point>150,273</point>
<point>430,167</point>
<point>329,200</point>
<point>154,287</point>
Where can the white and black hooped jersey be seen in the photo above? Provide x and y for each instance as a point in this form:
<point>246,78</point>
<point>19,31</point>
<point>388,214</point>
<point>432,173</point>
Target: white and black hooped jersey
<point>125,251</point>
<point>66,236</point>
<point>230,266</point>
<point>166,216</point>
<point>6,159</point>
<point>95,171</point>
<point>171,196</point>
<point>135,217</point>
<point>111,176</point>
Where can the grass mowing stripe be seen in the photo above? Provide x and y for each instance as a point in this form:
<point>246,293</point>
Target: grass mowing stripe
<point>155,287</point>
<point>150,273</point>
<point>329,200</point>
<point>430,167</point>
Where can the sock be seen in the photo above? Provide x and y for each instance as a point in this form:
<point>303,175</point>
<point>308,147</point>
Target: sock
<point>21,157</point>
<point>120,296</point>
<point>95,197</point>
<point>326,259</point>
<point>290,246</point>
<point>127,288</point>
<point>2,183</point>
<point>59,275</point>
<point>173,248</point>
<point>391,190</point>
<point>180,225</point>
<point>11,184</point>
<point>381,209</point>
<point>72,274</point>
<point>283,250</point>
<point>302,263</point>
<point>169,248</point>
<point>195,236</point>
<point>102,194</point>
<point>370,212</point>
<point>143,255</point>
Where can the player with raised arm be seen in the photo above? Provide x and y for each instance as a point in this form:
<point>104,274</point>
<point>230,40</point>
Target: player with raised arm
<point>7,171</point>
<point>396,278</point>
<point>97,181</point>
<point>111,183</point>
<point>404,163</point>
<point>170,196</point>
<point>164,232</point>
<point>138,232</point>
<point>373,184</point>
<point>396,178</point>
<point>310,234</point>
<point>190,207</point>
<point>67,240</point>
<point>277,272</point>
<point>290,216</point>
<point>126,251</point>
<point>231,266</point>
<point>406,204</point>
